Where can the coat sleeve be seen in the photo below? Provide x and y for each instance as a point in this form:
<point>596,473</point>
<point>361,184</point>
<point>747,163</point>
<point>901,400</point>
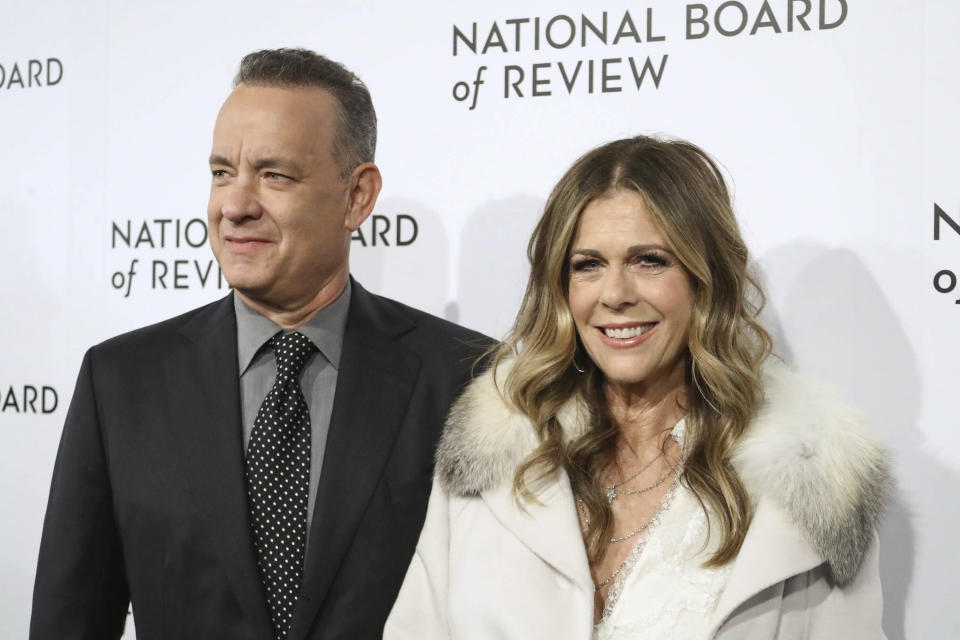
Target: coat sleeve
<point>420,612</point>
<point>80,590</point>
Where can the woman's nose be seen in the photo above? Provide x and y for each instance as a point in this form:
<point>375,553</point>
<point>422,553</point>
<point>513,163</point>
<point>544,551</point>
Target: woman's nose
<point>618,290</point>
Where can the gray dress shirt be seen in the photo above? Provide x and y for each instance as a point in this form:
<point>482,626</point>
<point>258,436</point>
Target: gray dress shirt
<point>318,378</point>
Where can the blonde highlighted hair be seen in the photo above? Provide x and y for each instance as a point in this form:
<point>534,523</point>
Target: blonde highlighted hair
<point>687,196</point>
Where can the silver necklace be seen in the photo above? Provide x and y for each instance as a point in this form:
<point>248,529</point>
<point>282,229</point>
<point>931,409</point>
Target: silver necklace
<point>612,491</point>
<point>646,524</point>
<point>623,565</point>
<point>606,581</point>
<point>613,494</point>
<point>631,534</point>
<point>586,518</point>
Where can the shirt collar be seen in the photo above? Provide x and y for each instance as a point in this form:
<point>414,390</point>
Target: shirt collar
<point>325,329</point>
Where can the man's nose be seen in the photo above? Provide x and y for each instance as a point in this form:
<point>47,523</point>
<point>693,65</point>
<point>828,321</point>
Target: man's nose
<point>240,201</point>
<point>618,290</point>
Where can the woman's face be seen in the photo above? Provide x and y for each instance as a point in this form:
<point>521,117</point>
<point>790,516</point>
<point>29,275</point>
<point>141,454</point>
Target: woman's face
<point>630,297</point>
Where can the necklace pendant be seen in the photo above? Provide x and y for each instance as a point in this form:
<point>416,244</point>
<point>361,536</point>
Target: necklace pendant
<point>611,495</point>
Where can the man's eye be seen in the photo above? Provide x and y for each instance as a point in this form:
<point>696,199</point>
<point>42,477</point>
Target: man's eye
<point>273,175</point>
<point>219,173</point>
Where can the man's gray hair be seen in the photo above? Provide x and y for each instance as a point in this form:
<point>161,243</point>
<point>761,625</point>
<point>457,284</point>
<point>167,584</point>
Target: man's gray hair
<point>355,140</point>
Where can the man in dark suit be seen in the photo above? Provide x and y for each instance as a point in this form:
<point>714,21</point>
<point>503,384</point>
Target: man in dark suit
<point>259,467</point>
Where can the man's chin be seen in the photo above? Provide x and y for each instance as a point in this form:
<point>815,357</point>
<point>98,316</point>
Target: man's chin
<point>249,289</point>
<point>244,277</point>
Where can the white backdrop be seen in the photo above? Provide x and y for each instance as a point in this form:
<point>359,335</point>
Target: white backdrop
<point>841,139</point>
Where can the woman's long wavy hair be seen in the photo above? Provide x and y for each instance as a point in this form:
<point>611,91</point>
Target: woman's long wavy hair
<point>687,196</point>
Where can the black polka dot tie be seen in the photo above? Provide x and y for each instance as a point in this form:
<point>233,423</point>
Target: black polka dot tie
<point>278,480</point>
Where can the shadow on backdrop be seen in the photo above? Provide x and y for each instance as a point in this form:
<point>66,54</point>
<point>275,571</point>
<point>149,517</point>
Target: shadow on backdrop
<point>837,318</point>
<point>402,251</point>
<point>493,263</point>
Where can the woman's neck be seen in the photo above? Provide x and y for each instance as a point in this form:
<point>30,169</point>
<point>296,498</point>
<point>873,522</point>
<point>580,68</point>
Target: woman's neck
<point>646,413</point>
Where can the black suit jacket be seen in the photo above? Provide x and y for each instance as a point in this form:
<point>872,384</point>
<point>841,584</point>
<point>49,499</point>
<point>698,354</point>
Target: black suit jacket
<point>148,500</point>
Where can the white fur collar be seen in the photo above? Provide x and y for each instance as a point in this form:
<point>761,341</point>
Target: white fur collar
<point>806,449</point>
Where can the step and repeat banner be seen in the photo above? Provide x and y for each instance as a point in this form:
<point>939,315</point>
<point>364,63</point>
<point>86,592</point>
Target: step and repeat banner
<point>836,121</point>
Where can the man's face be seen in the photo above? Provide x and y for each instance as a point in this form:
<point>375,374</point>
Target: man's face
<point>278,211</point>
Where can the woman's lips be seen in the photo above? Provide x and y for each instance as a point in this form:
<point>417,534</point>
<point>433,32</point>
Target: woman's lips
<point>624,336</point>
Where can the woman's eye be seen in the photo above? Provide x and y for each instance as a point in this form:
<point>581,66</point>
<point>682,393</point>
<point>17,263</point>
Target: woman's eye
<point>584,265</point>
<point>651,260</point>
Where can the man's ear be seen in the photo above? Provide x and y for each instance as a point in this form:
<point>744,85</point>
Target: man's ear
<point>365,183</point>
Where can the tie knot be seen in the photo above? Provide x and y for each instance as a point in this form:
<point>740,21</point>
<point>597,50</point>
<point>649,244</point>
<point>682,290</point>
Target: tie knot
<point>292,351</point>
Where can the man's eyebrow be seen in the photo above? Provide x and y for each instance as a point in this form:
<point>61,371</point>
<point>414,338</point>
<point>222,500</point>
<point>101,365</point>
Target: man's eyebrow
<point>259,164</point>
<point>275,161</point>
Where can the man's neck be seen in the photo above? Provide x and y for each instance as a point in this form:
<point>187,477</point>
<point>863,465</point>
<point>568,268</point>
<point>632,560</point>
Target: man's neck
<point>297,313</point>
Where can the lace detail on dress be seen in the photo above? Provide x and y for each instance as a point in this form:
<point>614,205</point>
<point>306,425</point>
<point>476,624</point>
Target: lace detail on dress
<point>624,572</point>
<point>667,593</point>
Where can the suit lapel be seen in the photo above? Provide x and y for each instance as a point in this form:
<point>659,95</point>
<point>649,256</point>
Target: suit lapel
<point>204,379</point>
<point>374,386</point>
<point>550,529</point>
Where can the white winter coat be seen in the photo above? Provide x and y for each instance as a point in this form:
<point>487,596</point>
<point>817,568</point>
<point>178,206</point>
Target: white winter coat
<point>487,568</point>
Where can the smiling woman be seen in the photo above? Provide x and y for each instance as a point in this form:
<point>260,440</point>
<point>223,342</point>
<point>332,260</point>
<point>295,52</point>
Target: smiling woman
<point>634,464</point>
<point>626,289</point>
